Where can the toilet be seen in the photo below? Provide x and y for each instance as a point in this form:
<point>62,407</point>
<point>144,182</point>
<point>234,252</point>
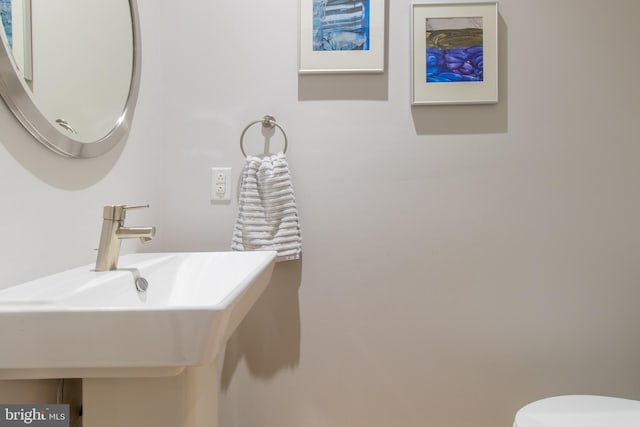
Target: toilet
<point>580,411</point>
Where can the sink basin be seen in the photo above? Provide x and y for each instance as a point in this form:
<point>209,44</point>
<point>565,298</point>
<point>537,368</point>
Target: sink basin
<point>83,323</point>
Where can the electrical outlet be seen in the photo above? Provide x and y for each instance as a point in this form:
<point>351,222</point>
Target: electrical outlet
<point>220,184</point>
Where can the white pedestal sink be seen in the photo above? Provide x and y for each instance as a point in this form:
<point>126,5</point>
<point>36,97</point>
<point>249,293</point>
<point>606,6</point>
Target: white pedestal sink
<point>131,346</point>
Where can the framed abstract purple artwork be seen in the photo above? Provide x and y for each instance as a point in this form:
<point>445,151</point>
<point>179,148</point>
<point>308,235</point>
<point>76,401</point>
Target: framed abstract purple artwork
<point>454,53</point>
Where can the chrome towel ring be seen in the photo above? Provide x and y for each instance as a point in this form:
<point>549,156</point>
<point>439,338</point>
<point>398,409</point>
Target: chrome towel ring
<point>268,122</point>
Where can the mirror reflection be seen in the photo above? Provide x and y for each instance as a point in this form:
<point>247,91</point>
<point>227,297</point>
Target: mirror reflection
<point>74,59</point>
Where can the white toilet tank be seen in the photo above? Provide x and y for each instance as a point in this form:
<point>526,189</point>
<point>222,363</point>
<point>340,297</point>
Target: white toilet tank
<point>580,411</point>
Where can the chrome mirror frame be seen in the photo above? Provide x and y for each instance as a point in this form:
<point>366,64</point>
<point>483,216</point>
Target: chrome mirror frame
<point>22,106</point>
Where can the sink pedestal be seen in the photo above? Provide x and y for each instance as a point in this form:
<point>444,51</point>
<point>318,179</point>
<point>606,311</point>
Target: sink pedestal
<point>189,399</point>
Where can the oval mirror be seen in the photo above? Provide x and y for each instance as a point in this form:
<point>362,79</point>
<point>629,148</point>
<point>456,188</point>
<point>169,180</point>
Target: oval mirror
<point>70,71</point>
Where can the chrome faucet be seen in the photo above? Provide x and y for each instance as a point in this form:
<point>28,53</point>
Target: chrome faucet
<point>113,230</point>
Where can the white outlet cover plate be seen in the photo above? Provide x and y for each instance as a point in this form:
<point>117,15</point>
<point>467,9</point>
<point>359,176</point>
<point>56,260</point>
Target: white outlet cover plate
<point>217,182</point>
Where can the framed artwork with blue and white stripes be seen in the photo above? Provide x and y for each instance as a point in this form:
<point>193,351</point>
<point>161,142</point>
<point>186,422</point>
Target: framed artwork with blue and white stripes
<point>5,19</point>
<point>342,36</point>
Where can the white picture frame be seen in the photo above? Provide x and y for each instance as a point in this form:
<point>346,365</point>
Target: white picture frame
<point>341,37</point>
<point>443,70</point>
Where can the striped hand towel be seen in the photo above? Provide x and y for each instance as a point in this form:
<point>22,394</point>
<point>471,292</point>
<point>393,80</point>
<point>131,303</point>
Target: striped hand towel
<point>267,214</point>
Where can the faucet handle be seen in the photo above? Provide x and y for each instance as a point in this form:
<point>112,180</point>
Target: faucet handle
<point>135,207</point>
<point>117,212</point>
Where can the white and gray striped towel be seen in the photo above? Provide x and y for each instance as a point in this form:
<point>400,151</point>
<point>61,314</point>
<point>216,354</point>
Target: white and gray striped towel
<point>267,213</point>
